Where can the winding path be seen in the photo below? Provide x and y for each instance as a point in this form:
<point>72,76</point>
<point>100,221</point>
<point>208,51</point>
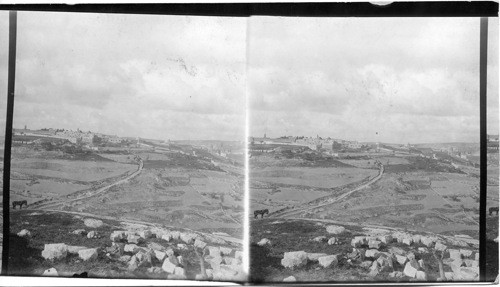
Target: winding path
<point>336,199</point>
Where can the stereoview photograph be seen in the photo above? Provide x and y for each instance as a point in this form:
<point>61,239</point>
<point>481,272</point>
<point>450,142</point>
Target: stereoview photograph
<point>364,149</point>
<point>128,146</point>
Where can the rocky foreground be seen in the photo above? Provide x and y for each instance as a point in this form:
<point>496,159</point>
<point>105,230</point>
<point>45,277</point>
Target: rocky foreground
<point>146,252</point>
<point>376,254</point>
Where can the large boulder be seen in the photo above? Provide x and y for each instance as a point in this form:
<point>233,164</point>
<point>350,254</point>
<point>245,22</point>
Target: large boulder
<point>92,234</point>
<point>358,241</point>
<point>75,249</point>
<point>145,234</point>
<point>290,279</point>
<point>371,253</point>
<point>335,229</point>
<point>117,235</point>
<point>466,253</point>
<point>421,276</point>
<point>386,239</point>
<point>200,244</point>
<point>50,272</point>
<point>455,254</point>
<point>156,246</point>
<point>427,241</point>
<point>396,250</point>
<point>294,259</point>
<point>160,255</point>
<point>466,274</point>
<point>327,261</point>
<point>93,223</point>
<point>401,259</point>
<point>188,237</point>
<point>315,256</point>
<point>411,269</point>
<point>332,241</point>
<point>130,248</point>
<point>214,251</point>
<point>87,254</point>
<point>132,238</point>
<point>374,244</point>
<point>226,251</point>
<point>440,246</point>
<point>168,266</point>
<point>385,263</point>
<point>264,241</point>
<point>23,233</point>
<point>55,251</point>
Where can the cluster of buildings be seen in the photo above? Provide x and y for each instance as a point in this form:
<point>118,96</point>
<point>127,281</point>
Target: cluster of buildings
<point>76,137</point>
<point>314,143</point>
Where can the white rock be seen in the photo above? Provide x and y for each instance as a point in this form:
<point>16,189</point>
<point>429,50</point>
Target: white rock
<point>180,259</point>
<point>386,239</point>
<point>396,250</point>
<point>427,241</point>
<point>166,236</point>
<point>117,235</point>
<point>290,279</point>
<point>466,274</point>
<point>168,266</point>
<point>238,255</point>
<point>199,244</point>
<point>358,241</point>
<point>50,272</point>
<point>449,276</point>
<point>93,223</point>
<point>294,259</point>
<point>423,250</point>
<point>371,253</point>
<point>476,256</point>
<point>401,259</point>
<point>411,269</point>
<point>335,229</point>
<point>130,247</point>
<point>421,263</point>
<point>416,238</point>
<point>319,239</point>
<point>315,256</point>
<point>131,238</point>
<point>160,255</point>
<point>88,254</point>
<point>55,251</point>
<point>440,247</point>
<point>24,232</point>
<point>91,234</point>
<point>332,241</point>
<point>75,249</point>
<point>328,260</point>
<point>214,251</point>
<point>79,232</point>
<point>179,271</point>
<point>471,263</point>
<point>455,254</point>
<point>375,244</point>
<point>210,273</point>
<point>188,237</point>
<point>182,246</point>
<point>264,241</point>
<point>407,240</point>
<point>175,235</point>
<point>146,234</point>
<point>421,276</point>
<point>226,251</point>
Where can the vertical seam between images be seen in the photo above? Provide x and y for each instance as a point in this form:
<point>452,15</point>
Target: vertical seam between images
<point>246,197</point>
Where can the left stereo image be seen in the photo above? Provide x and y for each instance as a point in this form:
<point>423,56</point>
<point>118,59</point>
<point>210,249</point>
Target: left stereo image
<point>127,146</point>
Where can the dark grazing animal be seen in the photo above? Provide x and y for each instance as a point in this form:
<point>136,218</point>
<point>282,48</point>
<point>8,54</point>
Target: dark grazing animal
<point>81,275</point>
<point>20,203</point>
<point>261,212</point>
<point>493,209</point>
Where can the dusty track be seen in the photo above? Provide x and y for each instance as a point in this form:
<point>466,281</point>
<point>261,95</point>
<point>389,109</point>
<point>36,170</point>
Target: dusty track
<point>97,192</point>
<point>332,200</point>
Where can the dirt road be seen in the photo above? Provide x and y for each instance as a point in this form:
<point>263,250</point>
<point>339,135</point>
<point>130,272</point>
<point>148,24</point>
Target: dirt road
<point>334,199</point>
<point>97,192</point>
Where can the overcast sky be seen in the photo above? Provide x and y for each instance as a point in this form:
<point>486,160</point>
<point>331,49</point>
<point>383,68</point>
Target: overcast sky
<point>407,79</point>
<point>163,77</point>
<point>177,77</point>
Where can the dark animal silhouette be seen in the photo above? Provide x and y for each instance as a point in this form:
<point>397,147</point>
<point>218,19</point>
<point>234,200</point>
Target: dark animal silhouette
<point>20,203</point>
<point>493,209</point>
<point>261,212</point>
<point>81,275</point>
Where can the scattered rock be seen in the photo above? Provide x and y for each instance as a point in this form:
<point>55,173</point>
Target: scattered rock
<point>79,232</point>
<point>88,254</point>
<point>117,236</point>
<point>328,260</point>
<point>50,272</point>
<point>238,255</point>
<point>91,234</point>
<point>93,223</point>
<point>180,259</point>
<point>264,241</point>
<point>188,237</point>
<point>332,241</point>
<point>168,266</point>
<point>182,246</point>
<point>455,254</point>
<point>166,236</point>
<point>396,250</point>
<point>401,259</point>
<point>179,271</point>
<point>75,249</point>
<point>385,264</point>
<point>130,248</point>
<point>131,238</point>
<point>335,229</point>
<point>294,259</point>
<point>421,276</point>
<point>374,244</point>
<point>416,239</point>
<point>366,264</point>
<point>411,269</point>
<point>410,256</point>
<point>449,276</point>
<point>24,232</point>
<point>466,274</point>
<point>175,235</point>
<point>319,239</point>
<point>156,246</point>
<point>155,270</point>
<point>214,251</point>
<point>290,279</point>
<point>145,234</point>
<point>440,247</point>
<point>124,258</point>
<point>160,255</point>
<point>423,250</point>
<point>199,244</point>
<point>55,251</point>
<point>386,239</point>
<point>421,263</point>
<point>358,241</point>
<point>371,253</point>
<point>315,256</point>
